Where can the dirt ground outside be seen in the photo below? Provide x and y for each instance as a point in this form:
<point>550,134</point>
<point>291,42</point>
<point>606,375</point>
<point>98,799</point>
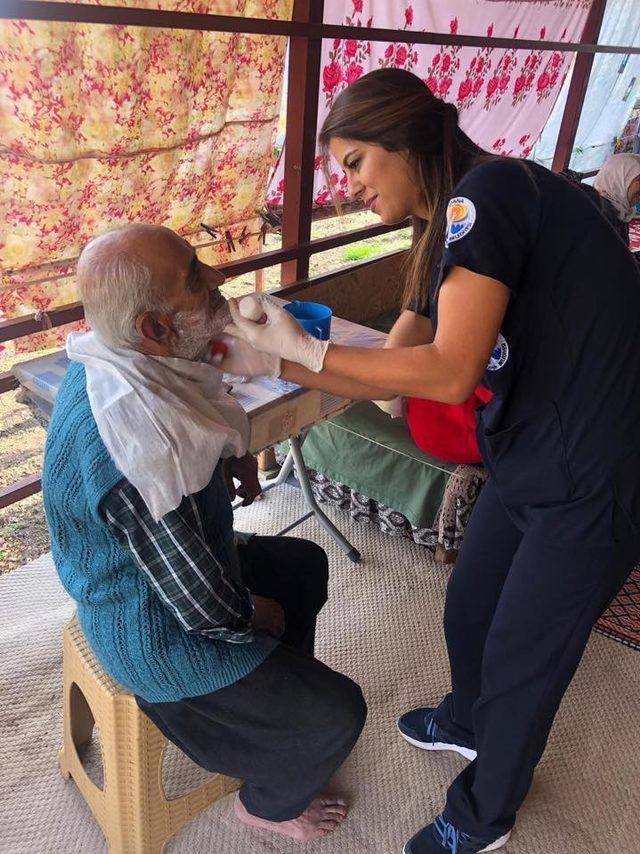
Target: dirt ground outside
<point>23,530</point>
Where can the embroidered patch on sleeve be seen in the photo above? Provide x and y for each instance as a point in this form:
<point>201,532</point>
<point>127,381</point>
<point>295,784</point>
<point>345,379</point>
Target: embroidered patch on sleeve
<point>499,354</point>
<point>461,215</point>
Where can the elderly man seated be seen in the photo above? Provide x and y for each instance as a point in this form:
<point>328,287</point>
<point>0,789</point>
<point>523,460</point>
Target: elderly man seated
<point>213,636</point>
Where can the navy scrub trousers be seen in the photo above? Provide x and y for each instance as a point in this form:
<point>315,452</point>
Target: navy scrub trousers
<point>519,611</point>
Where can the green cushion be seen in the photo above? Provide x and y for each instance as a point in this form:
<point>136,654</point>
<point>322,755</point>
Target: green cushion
<point>373,453</point>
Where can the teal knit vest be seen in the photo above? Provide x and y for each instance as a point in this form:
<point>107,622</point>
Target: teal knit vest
<point>133,634</point>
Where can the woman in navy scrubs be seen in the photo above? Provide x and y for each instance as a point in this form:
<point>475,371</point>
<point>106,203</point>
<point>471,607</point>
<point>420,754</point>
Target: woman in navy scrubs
<point>518,281</point>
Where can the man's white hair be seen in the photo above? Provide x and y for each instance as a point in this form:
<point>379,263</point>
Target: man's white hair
<point>115,287</point>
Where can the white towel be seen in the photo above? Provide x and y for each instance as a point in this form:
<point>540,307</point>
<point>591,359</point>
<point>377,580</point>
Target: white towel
<point>166,422</point>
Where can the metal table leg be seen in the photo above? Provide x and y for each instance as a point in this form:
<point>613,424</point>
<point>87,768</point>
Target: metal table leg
<point>301,473</point>
<point>295,460</point>
<point>283,474</point>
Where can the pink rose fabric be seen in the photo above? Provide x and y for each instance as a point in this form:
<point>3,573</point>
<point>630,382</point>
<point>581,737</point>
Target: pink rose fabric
<point>513,90</point>
<point>351,47</point>
<point>103,125</point>
<point>354,72</point>
<point>331,76</point>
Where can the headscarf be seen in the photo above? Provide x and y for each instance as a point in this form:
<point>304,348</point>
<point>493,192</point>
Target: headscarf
<point>613,181</point>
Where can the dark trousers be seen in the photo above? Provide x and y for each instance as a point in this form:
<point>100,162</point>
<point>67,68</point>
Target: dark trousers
<point>288,726</point>
<point>518,615</point>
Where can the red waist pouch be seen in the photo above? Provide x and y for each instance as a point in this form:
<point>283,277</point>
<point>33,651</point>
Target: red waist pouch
<point>447,431</point>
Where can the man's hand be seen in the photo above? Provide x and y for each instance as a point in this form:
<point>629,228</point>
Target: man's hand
<point>244,469</point>
<point>268,616</point>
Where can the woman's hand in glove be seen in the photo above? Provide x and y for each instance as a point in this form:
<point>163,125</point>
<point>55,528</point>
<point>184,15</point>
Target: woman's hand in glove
<point>239,358</point>
<point>281,335</point>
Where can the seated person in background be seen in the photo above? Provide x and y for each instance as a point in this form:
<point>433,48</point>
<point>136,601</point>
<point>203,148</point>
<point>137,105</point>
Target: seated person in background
<point>618,181</point>
<point>214,638</point>
<point>618,186</point>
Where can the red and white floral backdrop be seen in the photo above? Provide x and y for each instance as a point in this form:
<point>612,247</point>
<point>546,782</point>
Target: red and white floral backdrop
<point>104,125</point>
<point>504,96</point>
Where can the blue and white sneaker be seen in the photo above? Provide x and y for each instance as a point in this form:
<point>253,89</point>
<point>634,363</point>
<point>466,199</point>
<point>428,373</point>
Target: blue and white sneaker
<point>441,836</point>
<point>419,728</point>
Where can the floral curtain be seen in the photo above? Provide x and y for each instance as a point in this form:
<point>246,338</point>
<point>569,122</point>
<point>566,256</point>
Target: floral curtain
<point>105,125</point>
<point>504,96</point>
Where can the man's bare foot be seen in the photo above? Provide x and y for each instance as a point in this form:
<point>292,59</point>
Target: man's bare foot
<point>324,814</point>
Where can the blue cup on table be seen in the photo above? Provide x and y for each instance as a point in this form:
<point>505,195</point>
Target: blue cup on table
<point>314,317</point>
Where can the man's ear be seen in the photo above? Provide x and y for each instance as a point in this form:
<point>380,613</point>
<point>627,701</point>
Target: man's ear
<point>156,329</point>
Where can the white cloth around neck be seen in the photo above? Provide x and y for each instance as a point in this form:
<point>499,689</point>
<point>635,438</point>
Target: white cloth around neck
<point>166,422</point>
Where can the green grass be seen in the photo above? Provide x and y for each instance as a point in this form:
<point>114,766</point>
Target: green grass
<point>359,253</point>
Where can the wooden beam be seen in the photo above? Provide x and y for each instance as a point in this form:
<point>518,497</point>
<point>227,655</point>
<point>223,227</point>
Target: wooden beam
<point>577,90</point>
<point>8,382</point>
<point>16,327</point>
<point>19,490</point>
<point>40,10</point>
<point>300,139</point>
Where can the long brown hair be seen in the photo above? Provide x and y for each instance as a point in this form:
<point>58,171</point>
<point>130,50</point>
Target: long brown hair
<point>396,110</point>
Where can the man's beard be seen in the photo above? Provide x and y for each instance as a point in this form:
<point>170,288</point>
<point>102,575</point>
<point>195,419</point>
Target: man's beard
<point>197,329</point>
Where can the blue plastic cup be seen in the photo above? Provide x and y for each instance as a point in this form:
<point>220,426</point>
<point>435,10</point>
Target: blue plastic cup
<point>312,316</point>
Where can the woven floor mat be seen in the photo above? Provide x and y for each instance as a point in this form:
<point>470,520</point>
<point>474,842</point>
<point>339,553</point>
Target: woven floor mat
<point>383,627</point>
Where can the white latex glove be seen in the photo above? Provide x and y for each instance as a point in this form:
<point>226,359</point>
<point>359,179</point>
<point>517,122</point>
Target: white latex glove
<point>393,407</point>
<point>243,360</point>
<point>281,335</point>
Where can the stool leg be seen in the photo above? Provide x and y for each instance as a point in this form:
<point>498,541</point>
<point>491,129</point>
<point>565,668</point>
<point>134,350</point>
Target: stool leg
<point>69,757</point>
<point>131,807</point>
<point>155,818</point>
<point>138,818</point>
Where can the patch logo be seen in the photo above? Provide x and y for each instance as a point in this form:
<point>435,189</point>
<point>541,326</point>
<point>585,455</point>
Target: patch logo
<point>499,354</point>
<point>461,215</point>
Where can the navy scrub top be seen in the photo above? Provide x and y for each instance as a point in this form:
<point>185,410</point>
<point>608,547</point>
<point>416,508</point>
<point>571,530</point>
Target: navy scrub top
<point>563,429</point>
